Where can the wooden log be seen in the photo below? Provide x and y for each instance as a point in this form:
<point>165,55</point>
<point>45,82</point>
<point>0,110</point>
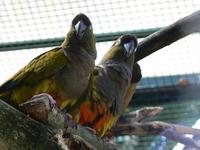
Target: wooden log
<point>19,132</point>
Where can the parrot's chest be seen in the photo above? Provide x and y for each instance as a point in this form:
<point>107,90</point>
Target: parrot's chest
<point>73,81</point>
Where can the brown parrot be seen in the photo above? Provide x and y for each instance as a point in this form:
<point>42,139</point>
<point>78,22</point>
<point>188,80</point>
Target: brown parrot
<point>102,103</point>
<point>61,72</point>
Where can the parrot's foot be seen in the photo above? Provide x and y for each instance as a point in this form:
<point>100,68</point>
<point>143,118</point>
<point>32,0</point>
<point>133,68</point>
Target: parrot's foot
<point>52,102</point>
<point>69,123</point>
<point>68,115</point>
<point>90,130</point>
<point>38,107</point>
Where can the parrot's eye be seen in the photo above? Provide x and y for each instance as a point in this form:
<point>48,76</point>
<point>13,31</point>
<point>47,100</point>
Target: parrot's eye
<point>90,27</point>
<point>118,42</point>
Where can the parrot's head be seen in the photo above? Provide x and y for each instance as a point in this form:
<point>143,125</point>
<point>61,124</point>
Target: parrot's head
<point>81,34</point>
<point>122,50</point>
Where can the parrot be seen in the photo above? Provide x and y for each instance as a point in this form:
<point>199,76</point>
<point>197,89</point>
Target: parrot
<point>61,72</point>
<point>102,102</point>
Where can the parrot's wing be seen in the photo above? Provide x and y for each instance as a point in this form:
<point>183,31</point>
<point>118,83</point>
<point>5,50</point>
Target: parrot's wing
<point>41,67</point>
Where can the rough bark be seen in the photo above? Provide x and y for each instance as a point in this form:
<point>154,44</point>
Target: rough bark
<point>20,132</point>
<point>133,124</point>
<point>17,131</point>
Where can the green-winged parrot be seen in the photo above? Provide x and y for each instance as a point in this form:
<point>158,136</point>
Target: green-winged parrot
<point>102,102</point>
<point>61,72</point>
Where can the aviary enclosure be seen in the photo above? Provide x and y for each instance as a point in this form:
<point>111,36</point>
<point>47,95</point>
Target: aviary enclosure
<point>169,89</point>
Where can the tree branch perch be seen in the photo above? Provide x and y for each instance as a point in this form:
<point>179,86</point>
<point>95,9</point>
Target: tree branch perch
<point>21,132</point>
<point>168,35</point>
<point>127,125</point>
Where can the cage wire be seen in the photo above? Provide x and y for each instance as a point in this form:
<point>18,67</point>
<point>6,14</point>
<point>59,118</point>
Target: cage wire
<point>47,21</point>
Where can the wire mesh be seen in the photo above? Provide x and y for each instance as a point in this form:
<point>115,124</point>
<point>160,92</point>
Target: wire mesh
<point>28,20</point>
<point>47,19</point>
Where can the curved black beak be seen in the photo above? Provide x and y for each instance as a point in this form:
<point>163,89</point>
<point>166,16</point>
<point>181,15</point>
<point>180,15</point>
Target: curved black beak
<point>80,27</point>
<point>129,48</point>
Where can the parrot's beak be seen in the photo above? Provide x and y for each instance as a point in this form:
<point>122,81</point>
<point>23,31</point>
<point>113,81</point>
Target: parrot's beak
<point>129,48</point>
<point>80,28</point>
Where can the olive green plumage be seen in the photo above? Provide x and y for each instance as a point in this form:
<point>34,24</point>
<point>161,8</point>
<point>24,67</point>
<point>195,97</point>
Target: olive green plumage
<point>62,72</point>
<point>103,100</point>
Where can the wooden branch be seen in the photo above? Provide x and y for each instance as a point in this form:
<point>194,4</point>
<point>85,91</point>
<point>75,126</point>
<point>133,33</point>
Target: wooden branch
<point>140,114</point>
<point>168,35</point>
<point>137,118</point>
<point>150,128</point>
<point>73,135</point>
<point>20,132</point>
<point>171,131</point>
<point>128,125</point>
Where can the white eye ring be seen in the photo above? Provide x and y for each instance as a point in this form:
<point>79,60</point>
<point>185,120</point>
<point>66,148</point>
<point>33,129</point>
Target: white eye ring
<point>90,27</point>
<point>118,42</point>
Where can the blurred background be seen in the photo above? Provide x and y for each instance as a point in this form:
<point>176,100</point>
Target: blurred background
<point>170,76</point>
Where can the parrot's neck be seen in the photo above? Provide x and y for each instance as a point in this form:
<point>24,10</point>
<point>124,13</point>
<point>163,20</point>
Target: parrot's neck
<point>73,78</point>
<point>87,46</point>
<point>78,57</point>
<point>112,82</point>
<point>124,70</point>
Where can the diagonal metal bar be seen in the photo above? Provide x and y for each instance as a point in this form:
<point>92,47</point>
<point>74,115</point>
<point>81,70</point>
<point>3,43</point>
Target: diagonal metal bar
<point>167,35</point>
<point>57,41</point>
